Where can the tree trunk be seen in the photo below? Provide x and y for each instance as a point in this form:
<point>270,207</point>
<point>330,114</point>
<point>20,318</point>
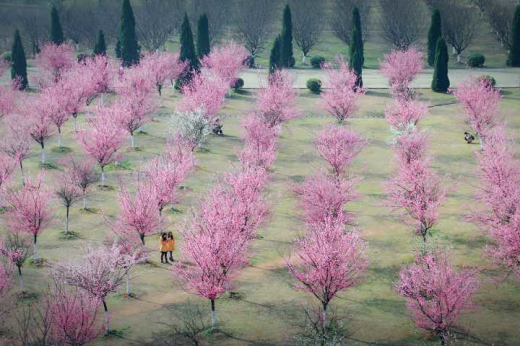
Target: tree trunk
<point>59,137</point>
<point>102,176</point>
<point>67,220</point>
<point>43,155</point>
<point>35,255</point>
<point>481,141</point>
<point>213,315</point>
<point>85,202</point>
<point>128,284</point>
<point>132,140</point>
<point>160,221</point>
<point>304,59</point>
<point>21,278</point>
<point>21,171</point>
<point>458,58</point>
<point>107,322</point>
<point>75,124</point>
<point>141,236</point>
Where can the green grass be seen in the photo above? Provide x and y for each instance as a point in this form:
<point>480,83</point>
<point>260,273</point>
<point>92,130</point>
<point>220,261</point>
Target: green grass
<point>269,308</point>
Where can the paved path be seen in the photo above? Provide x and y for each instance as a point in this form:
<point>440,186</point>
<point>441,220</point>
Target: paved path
<point>505,77</point>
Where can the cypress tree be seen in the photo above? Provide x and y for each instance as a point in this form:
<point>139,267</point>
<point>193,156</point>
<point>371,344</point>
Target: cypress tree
<point>129,48</point>
<point>514,52</point>
<point>19,63</point>
<point>287,58</point>
<point>434,34</point>
<point>187,52</point>
<point>118,49</point>
<point>441,82</point>
<point>56,31</point>
<point>275,58</point>
<point>203,47</point>
<point>100,48</point>
<point>356,54</point>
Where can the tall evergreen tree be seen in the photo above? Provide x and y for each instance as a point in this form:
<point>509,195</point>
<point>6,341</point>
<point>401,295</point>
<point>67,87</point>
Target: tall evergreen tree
<point>287,58</point>
<point>514,51</point>
<point>441,82</point>
<point>129,48</point>
<point>203,46</point>
<point>19,63</point>
<point>434,34</point>
<point>100,48</point>
<point>187,52</point>
<point>275,58</point>
<point>356,54</point>
<point>56,31</point>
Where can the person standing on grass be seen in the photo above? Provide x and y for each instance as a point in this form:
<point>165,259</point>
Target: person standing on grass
<point>163,247</point>
<point>170,245</point>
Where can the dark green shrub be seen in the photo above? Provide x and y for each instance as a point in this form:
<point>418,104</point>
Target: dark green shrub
<point>476,60</point>
<point>317,61</point>
<point>314,85</point>
<point>7,56</point>
<point>488,79</point>
<point>239,83</point>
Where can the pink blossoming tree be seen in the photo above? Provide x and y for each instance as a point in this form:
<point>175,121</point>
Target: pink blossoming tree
<point>15,141</point>
<point>259,145</point>
<point>480,103</point>
<point>338,146</point>
<point>16,249</point>
<point>340,99</point>
<point>163,66</point>
<point>30,210</point>
<point>82,174</point>
<point>68,193</point>
<point>404,115</point>
<point>401,67</point>
<point>53,60</point>
<point>328,260</point>
<point>39,112</point>
<point>7,166</point>
<point>226,61</point>
<point>436,294</point>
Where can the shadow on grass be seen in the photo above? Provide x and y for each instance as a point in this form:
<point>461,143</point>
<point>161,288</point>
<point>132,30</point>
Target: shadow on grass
<point>61,150</point>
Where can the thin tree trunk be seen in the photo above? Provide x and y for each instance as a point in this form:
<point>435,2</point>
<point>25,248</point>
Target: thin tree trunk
<point>85,201</point>
<point>458,58</point>
<point>75,124</point>
<point>128,285</point>
<point>102,176</point>
<point>132,140</point>
<point>481,141</point>
<point>107,321</point>
<point>59,137</point>
<point>21,279</point>
<point>304,59</point>
<point>67,220</point>
<point>213,315</point>
<point>43,155</point>
<point>21,171</point>
<point>35,255</point>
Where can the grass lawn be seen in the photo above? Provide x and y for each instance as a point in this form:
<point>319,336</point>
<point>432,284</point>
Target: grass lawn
<point>270,310</point>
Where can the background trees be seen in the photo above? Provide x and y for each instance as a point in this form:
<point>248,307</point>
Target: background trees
<point>341,19</point>
<point>402,22</point>
<point>127,40</point>
<point>157,21</point>
<point>308,24</point>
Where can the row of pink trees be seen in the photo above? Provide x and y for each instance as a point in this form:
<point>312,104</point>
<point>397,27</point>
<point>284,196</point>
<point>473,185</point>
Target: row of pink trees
<point>436,294</point>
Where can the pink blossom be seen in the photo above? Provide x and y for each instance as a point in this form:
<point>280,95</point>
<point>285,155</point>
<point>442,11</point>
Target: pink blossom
<point>58,102</point>
<point>30,211</point>
<point>276,103</point>
<point>53,60</point>
<point>338,146</point>
<point>15,142</point>
<point>226,61</point>
<point>327,261</point>
<point>480,102</point>
<point>260,144</point>
<point>134,110</point>
<point>405,114</point>
<point>39,113</point>
<point>102,71</point>
<point>82,174</point>
<point>7,165</point>
<point>5,280</point>
<point>68,193</point>
<point>411,146</point>
<point>163,66</point>
<point>8,95</point>
<point>205,91</point>
<point>401,67</point>
<point>103,137</point>
<point>341,97</point>
<point>15,249</point>
<point>436,294</point>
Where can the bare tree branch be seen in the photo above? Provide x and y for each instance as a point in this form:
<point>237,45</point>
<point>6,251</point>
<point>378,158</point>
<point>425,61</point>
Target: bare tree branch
<point>341,18</point>
<point>402,21</point>
<point>217,12</point>
<point>499,16</point>
<point>308,24</point>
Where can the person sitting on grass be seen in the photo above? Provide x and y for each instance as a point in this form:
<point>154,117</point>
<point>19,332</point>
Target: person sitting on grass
<point>217,128</point>
<point>163,247</point>
<point>170,245</point>
<point>469,137</point>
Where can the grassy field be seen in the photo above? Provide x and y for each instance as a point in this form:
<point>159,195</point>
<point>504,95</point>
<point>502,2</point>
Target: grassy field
<point>270,310</point>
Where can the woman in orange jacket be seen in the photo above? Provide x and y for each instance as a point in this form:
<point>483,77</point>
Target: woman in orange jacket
<point>170,245</point>
<point>163,247</point>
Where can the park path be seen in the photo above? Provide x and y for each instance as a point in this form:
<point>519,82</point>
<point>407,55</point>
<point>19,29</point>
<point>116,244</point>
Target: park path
<point>373,79</point>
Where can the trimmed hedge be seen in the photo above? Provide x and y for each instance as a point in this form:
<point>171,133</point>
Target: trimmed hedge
<point>314,85</point>
<point>317,61</point>
<point>239,83</point>
<point>489,80</point>
<point>476,60</point>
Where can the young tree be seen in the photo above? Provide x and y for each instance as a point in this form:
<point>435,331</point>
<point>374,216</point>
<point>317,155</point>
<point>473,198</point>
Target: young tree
<point>103,137</point>
<point>38,112</point>
<point>54,60</point>
<point>193,126</point>
<point>206,91</point>
<point>162,66</point>
<point>287,57</point>
<point>434,34</point>
<point>74,316</point>
<point>401,68</point>
<point>100,48</point>
<point>480,103</point>
<point>402,21</point>
<point>56,99</point>
<point>5,281</point>
<point>203,46</point>
<point>56,31</point>
<point>100,271</point>
<point>441,82</point>
<point>217,252</point>
<point>307,24</point>
<point>19,64</point>
<point>16,249</point>
<point>514,52</point>
<point>226,61</point>
<point>276,103</point>
<point>30,211</point>
<point>341,96</point>
<point>138,212</point>
<point>82,173</point>
<point>356,50</point>
<point>188,54</point>
<point>167,171</point>
<point>7,165</point>
<point>436,294</point>
<point>260,144</point>
<point>341,19</point>
<point>15,142</point>
<point>252,21</point>
<point>328,261</point>
<point>68,193</point>
<point>404,115</point>
<point>157,21</point>
<point>275,56</point>
<point>134,112</point>
<point>128,46</point>
<point>338,146</point>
